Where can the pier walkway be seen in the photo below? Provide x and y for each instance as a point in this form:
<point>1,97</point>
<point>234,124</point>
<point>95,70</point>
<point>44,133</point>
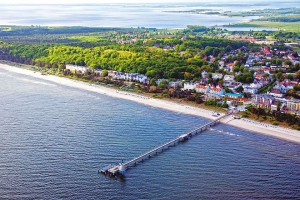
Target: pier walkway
<point>119,169</point>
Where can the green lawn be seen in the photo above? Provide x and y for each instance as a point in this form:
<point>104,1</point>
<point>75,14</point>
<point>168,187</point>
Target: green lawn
<point>284,26</point>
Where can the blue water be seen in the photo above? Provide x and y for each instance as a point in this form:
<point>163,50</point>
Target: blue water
<point>131,15</point>
<point>53,140</point>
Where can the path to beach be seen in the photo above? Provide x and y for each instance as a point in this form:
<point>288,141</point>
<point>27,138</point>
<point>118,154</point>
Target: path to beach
<point>283,133</point>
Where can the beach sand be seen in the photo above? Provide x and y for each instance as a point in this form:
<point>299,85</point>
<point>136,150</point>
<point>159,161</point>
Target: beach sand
<point>279,132</point>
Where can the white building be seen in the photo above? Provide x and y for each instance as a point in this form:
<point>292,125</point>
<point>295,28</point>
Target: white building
<point>77,68</point>
<point>190,86</point>
<point>228,78</point>
<point>216,76</point>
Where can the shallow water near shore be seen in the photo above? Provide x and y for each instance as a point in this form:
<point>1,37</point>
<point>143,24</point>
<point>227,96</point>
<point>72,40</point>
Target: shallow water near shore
<point>53,140</point>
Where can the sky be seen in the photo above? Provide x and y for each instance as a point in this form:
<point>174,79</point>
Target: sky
<point>88,1</point>
<point>111,1</point>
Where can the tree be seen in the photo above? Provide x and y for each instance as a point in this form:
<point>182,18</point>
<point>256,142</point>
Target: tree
<point>266,75</point>
<point>240,89</point>
<point>236,69</point>
<point>297,75</point>
<point>288,62</point>
<point>187,75</point>
<point>278,105</point>
<point>278,62</point>
<point>152,81</point>
<point>227,90</point>
<point>152,89</point>
<point>163,84</point>
<point>104,73</point>
<point>290,76</point>
<point>238,64</point>
<point>296,87</point>
<point>279,76</point>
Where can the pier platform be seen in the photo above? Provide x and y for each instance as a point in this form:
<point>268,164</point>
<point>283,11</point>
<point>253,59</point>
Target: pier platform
<point>119,169</point>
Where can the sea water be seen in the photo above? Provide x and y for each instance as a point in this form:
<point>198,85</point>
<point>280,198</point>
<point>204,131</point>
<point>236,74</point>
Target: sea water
<point>53,140</point>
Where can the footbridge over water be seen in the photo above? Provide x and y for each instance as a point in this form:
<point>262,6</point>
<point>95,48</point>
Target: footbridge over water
<point>119,169</point>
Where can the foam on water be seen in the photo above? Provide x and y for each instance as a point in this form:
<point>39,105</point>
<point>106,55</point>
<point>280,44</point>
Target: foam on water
<point>37,82</point>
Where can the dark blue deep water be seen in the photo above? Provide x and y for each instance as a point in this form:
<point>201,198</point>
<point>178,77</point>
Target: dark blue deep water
<point>53,140</point>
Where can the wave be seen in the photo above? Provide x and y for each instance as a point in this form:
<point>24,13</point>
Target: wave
<point>37,82</point>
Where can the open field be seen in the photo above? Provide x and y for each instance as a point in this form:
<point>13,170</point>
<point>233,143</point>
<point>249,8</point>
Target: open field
<point>284,26</point>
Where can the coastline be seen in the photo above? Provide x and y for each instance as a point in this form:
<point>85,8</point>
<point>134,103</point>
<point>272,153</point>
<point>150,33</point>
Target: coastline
<point>278,132</point>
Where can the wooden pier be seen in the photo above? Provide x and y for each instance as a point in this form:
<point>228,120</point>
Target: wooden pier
<point>119,169</point>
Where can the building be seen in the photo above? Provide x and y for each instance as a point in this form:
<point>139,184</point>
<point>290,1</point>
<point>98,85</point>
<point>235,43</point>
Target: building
<point>174,84</point>
<point>203,89</point>
<point>228,78</point>
<point>267,52</point>
<point>276,92</point>
<point>264,101</point>
<point>190,85</point>
<point>293,105</point>
<point>216,76</point>
<point>217,91</point>
<point>77,68</point>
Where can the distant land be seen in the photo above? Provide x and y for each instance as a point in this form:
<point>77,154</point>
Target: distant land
<point>287,19</point>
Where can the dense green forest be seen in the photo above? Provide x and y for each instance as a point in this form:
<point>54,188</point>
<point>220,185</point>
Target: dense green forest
<point>156,53</point>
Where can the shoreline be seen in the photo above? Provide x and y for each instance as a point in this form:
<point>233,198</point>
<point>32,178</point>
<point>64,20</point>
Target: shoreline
<point>260,128</point>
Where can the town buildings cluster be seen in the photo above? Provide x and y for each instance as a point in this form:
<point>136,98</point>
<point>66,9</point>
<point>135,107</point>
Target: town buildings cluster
<point>265,89</point>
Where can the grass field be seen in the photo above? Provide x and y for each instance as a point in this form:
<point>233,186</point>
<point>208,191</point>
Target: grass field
<point>284,26</point>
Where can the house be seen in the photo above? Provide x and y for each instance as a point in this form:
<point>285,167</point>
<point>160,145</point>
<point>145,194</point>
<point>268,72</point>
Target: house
<point>77,68</point>
<point>253,87</point>
<point>286,85</point>
<point>111,73</point>
<point>235,85</point>
<point>118,75</point>
<point>266,70</point>
<point>166,48</point>
<point>228,83</point>
<point>228,78</point>
<point>275,92</point>
<point>230,66</point>
<point>222,64</point>
<point>250,90</point>
<point>98,71</point>
<point>282,88</point>
<point>174,84</point>
<point>216,76</point>
<point>274,68</point>
<point>217,91</point>
<point>141,78</point>
<point>204,74</point>
<point>292,57</point>
<point>293,105</point>
<point>203,89</point>
<point>264,101</point>
<point>203,81</point>
<point>267,52</point>
<point>190,85</point>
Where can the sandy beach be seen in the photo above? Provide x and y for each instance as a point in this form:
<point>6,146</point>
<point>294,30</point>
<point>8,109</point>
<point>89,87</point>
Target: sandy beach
<point>279,132</point>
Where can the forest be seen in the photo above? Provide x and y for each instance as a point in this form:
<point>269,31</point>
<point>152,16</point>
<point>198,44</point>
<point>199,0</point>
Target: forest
<point>156,53</point>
